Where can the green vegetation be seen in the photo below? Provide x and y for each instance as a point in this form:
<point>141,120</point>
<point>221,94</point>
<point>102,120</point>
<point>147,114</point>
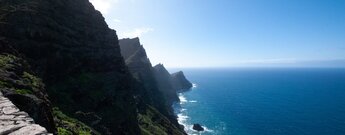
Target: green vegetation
<point>33,80</point>
<point>2,84</point>
<point>62,131</point>
<point>67,125</point>
<point>148,126</point>
<point>153,123</point>
<point>144,131</point>
<point>6,61</point>
<point>23,91</point>
<point>11,64</point>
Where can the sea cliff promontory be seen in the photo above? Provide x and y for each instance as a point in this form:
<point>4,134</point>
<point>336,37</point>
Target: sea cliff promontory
<point>62,64</point>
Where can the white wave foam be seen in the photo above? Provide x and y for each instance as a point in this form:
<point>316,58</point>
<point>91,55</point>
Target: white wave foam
<point>207,129</point>
<point>190,131</point>
<point>182,118</point>
<point>182,99</point>
<point>194,85</point>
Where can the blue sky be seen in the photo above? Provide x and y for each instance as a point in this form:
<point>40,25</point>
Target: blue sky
<point>233,33</point>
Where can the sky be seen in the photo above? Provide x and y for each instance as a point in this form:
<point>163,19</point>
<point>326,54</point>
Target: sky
<point>233,33</point>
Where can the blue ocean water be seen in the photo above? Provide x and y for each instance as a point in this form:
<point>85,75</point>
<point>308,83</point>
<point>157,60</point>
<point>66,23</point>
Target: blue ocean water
<point>280,101</point>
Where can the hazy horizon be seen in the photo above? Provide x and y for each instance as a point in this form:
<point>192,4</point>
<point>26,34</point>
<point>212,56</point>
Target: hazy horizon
<point>236,33</point>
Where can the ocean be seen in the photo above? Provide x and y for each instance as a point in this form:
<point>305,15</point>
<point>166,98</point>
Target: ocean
<point>264,101</point>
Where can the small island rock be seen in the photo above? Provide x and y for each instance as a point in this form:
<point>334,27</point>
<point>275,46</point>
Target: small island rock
<point>198,127</point>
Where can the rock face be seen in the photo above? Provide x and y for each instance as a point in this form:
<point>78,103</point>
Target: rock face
<point>140,67</point>
<point>154,99</point>
<point>180,82</point>
<point>165,84</point>
<point>170,84</point>
<point>25,90</point>
<point>16,122</point>
<point>198,127</point>
<point>68,46</point>
<point>129,47</point>
<point>60,63</point>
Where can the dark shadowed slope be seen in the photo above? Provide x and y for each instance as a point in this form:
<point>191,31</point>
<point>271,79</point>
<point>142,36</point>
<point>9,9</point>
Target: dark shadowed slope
<point>60,63</point>
<point>68,46</point>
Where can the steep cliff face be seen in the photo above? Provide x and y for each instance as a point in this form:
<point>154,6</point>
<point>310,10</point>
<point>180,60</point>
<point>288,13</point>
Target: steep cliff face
<point>157,80</point>
<point>60,63</point>
<point>129,47</point>
<point>155,114</point>
<point>165,84</point>
<point>180,82</point>
<point>141,69</point>
<point>68,46</point>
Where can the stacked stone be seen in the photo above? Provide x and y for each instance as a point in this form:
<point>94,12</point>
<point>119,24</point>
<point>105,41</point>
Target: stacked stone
<point>16,122</point>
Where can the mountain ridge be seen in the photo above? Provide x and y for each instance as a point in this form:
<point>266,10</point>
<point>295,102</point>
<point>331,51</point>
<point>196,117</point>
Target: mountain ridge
<point>62,64</point>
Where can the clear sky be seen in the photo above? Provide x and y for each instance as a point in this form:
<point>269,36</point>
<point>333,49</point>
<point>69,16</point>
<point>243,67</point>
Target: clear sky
<point>232,33</point>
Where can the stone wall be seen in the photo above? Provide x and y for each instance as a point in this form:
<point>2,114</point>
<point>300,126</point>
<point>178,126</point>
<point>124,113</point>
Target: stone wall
<point>16,122</point>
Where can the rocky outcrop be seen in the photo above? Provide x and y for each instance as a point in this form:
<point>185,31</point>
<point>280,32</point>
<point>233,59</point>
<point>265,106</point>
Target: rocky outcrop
<point>16,122</point>
<point>198,127</point>
<point>129,46</point>
<point>25,90</point>
<point>154,98</point>
<point>180,82</point>
<point>170,84</point>
<point>141,69</point>
<point>165,84</point>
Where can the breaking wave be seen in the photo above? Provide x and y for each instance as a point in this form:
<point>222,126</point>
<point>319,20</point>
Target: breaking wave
<point>184,119</point>
<point>194,85</point>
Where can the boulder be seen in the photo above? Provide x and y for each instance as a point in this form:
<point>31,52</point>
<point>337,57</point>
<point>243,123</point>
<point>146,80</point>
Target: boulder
<point>198,127</point>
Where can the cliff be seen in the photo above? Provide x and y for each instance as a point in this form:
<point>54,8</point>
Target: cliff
<point>159,83</point>
<point>180,82</point>
<point>73,57</point>
<point>140,67</point>
<point>60,63</point>
<point>165,84</point>
<point>154,99</point>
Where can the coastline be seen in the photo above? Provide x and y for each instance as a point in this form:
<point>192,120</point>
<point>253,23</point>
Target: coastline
<point>182,113</point>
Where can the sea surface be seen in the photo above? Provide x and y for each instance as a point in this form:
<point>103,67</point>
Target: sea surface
<point>264,101</point>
